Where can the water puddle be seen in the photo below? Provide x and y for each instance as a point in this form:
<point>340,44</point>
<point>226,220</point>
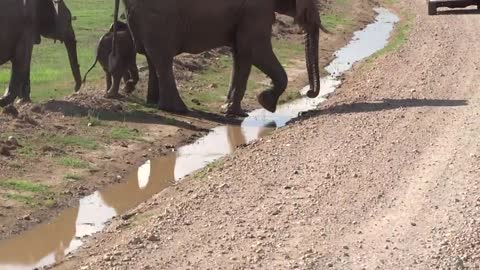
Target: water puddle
<point>48,243</point>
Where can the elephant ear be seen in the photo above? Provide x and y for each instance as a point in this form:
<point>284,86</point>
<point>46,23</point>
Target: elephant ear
<point>307,14</point>
<point>55,6</point>
<point>63,20</point>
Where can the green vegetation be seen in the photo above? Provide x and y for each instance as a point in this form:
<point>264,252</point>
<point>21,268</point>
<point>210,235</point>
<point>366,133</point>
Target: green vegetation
<point>334,21</point>
<point>27,150</point>
<point>26,199</point>
<point>22,185</point>
<point>124,133</point>
<point>51,75</point>
<point>339,19</point>
<point>209,87</point>
<point>170,121</point>
<point>72,177</point>
<point>78,141</point>
<point>72,162</point>
<point>202,173</point>
<point>26,192</point>
<point>399,36</point>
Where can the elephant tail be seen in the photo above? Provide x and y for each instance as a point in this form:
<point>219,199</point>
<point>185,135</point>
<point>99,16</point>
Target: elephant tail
<point>96,59</point>
<point>93,65</point>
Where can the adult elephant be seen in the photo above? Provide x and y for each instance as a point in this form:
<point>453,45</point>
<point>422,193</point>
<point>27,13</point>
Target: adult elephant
<point>22,23</point>
<point>164,29</point>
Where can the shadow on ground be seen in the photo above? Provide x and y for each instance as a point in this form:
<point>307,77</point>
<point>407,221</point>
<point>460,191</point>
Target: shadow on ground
<point>148,116</point>
<point>383,105</point>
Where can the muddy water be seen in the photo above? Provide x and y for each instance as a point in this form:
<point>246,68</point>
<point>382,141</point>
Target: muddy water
<point>50,242</point>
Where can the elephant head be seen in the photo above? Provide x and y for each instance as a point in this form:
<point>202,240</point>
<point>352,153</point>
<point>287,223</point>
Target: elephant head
<point>54,21</point>
<point>307,16</point>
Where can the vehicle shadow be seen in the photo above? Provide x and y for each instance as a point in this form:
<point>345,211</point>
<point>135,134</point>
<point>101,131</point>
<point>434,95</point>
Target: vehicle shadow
<point>458,12</point>
<point>384,105</point>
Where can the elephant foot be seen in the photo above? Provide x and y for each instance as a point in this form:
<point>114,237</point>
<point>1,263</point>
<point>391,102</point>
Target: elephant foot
<point>235,111</point>
<point>268,100</point>
<point>129,88</point>
<point>113,95</point>
<point>174,107</point>
<point>77,87</point>
<point>22,101</point>
<point>6,100</point>
<point>151,101</point>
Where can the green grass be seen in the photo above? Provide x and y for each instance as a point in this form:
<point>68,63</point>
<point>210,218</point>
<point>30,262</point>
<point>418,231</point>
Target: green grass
<point>220,73</point>
<point>340,19</point>
<point>77,141</point>
<point>334,21</point>
<point>23,185</point>
<point>202,173</point>
<point>50,74</point>
<point>399,36</point>
<point>26,192</point>
<point>26,199</point>
<point>170,121</point>
<point>72,162</point>
<point>124,133</point>
<point>72,177</point>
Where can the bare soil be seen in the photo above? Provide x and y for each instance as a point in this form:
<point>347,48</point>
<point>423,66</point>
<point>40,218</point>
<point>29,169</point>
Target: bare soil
<point>385,175</point>
<point>108,138</point>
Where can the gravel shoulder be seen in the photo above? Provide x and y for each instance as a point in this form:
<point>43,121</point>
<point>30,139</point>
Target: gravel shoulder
<point>385,175</point>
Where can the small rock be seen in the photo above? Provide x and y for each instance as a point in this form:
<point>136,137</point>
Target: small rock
<point>153,238</point>
<point>127,216</point>
<point>328,176</point>
<point>26,217</point>
<point>413,224</point>
<point>4,151</point>
<point>107,258</point>
<point>135,241</point>
<point>13,141</point>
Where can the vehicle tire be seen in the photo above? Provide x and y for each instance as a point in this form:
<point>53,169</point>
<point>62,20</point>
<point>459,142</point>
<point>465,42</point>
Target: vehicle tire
<point>432,8</point>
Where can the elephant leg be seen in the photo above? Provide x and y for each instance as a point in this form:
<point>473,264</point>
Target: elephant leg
<point>108,80</point>
<point>133,70</point>
<point>20,70</point>
<point>24,95</point>
<point>129,87</point>
<point>238,85</point>
<point>153,90</point>
<point>169,99</point>
<point>113,90</point>
<point>267,62</point>
<point>133,78</point>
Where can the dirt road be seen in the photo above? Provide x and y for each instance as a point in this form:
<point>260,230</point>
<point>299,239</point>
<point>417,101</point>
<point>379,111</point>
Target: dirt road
<point>385,175</point>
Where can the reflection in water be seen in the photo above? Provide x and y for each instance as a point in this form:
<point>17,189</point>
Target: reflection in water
<point>47,243</point>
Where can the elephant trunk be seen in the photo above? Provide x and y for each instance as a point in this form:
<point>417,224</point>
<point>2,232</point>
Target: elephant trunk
<point>71,46</point>
<point>311,55</point>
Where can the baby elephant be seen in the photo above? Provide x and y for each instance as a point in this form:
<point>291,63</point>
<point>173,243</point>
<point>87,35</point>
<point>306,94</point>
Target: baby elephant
<point>126,67</point>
